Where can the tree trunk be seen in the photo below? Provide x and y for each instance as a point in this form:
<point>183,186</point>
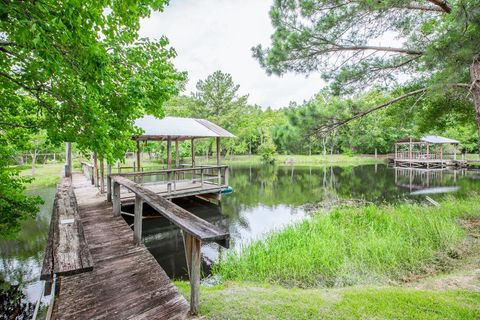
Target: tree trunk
<point>475,76</point>
<point>34,160</point>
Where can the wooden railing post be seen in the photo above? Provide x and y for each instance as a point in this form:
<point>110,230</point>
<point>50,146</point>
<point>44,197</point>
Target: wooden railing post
<point>109,183</point>
<point>117,206</point>
<point>137,222</point>
<point>219,176</point>
<point>192,255</point>
<point>169,184</point>
<point>227,173</point>
<point>201,177</point>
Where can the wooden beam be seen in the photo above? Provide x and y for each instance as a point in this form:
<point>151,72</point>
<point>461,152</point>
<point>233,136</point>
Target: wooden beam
<point>68,159</point>
<point>138,156</point>
<point>169,154</point>
<point>102,175</point>
<point>137,222</point>
<point>95,169</point>
<point>193,152</point>
<point>218,150</point>
<point>109,183</point>
<point>177,156</point>
<point>117,206</point>
<point>193,257</point>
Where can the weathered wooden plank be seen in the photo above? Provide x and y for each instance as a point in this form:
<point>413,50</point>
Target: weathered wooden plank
<point>126,283</point>
<point>67,251</point>
<point>185,220</point>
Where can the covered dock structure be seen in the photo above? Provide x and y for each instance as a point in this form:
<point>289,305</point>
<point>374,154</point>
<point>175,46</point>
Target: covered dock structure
<point>429,152</point>
<point>176,130</point>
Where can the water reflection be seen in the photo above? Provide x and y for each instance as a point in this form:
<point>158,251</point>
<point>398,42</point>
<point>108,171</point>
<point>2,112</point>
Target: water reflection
<point>267,198</point>
<point>21,259</point>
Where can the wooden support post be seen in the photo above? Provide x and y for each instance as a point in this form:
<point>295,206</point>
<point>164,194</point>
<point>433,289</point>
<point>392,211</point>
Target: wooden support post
<point>193,257</point>
<point>227,173</point>
<point>137,222</point>
<point>376,156</point>
<point>218,150</point>
<point>109,183</point>
<point>95,169</point>
<point>68,159</point>
<point>169,153</point>
<point>193,153</point>
<point>117,206</point>
<point>410,150</point>
<point>441,154</point>
<point>193,159</point>
<point>395,157</point>
<point>102,175</point>
<point>177,156</point>
<point>138,156</point>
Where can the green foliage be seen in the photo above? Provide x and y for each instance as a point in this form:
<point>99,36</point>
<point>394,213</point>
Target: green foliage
<point>14,205</point>
<point>267,152</point>
<point>351,246</point>
<point>431,47</point>
<point>80,73</point>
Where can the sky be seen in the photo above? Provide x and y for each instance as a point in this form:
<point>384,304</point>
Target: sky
<point>212,35</point>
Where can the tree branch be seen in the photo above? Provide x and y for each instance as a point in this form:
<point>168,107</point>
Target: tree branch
<point>16,125</point>
<point>443,4</point>
<point>323,129</point>
<point>379,48</point>
<point>414,6</point>
<point>328,127</point>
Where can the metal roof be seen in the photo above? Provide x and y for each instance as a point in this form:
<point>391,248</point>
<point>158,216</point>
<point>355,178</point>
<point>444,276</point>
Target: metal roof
<point>429,139</point>
<point>439,140</point>
<point>177,128</point>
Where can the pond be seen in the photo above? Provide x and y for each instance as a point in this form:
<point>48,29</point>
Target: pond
<point>264,199</point>
<point>268,198</point>
<point>21,262</point>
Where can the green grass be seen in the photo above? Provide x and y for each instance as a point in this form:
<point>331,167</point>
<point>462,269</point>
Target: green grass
<point>235,300</point>
<point>350,246</point>
<point>299,160</point>
<point>320,160</point>
<point>45,174</point>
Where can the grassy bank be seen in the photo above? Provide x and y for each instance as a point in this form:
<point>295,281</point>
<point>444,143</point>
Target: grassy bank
<point>313,160</point>
<point>235,300</point>
<point>337,160</point>
<point>349,246</point>
<point>45,174</point>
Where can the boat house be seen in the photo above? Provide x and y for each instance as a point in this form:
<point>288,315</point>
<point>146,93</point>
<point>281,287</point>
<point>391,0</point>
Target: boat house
<point>430,152</point>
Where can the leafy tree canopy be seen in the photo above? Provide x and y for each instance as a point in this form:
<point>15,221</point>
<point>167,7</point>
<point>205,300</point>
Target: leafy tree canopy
<point>79,71</point>
<point>436,45</point>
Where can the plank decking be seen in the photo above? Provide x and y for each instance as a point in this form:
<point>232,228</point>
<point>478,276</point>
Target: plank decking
<point>67,251</point>
<point>126,281</point>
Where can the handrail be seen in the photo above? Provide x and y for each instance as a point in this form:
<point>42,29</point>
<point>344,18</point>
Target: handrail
<point>147,173</point>
<point>194,229</point>
<point>182,218</point>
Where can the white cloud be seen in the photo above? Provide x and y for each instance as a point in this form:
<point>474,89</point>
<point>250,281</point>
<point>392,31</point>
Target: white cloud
<point>212,35</point>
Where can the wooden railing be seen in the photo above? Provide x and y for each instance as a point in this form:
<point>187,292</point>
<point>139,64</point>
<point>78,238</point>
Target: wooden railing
<point>194,229</point>
<point>88,170</point>
<point>203,175</point>
<point>418,155</point>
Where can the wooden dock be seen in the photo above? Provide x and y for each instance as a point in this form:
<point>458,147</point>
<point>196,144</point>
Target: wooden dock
<point>126,281</point>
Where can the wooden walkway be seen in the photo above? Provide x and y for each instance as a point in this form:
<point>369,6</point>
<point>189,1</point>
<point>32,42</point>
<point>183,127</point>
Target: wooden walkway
<point>126,281</point>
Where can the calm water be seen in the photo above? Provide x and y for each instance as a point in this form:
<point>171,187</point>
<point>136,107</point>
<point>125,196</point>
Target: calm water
<point>21,260</point>
<point>269,198</point>
<point>264,199</point>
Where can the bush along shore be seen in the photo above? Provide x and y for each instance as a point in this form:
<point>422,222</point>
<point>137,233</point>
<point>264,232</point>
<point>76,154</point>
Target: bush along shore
<point>372,262</point>
<point>353,246</point>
